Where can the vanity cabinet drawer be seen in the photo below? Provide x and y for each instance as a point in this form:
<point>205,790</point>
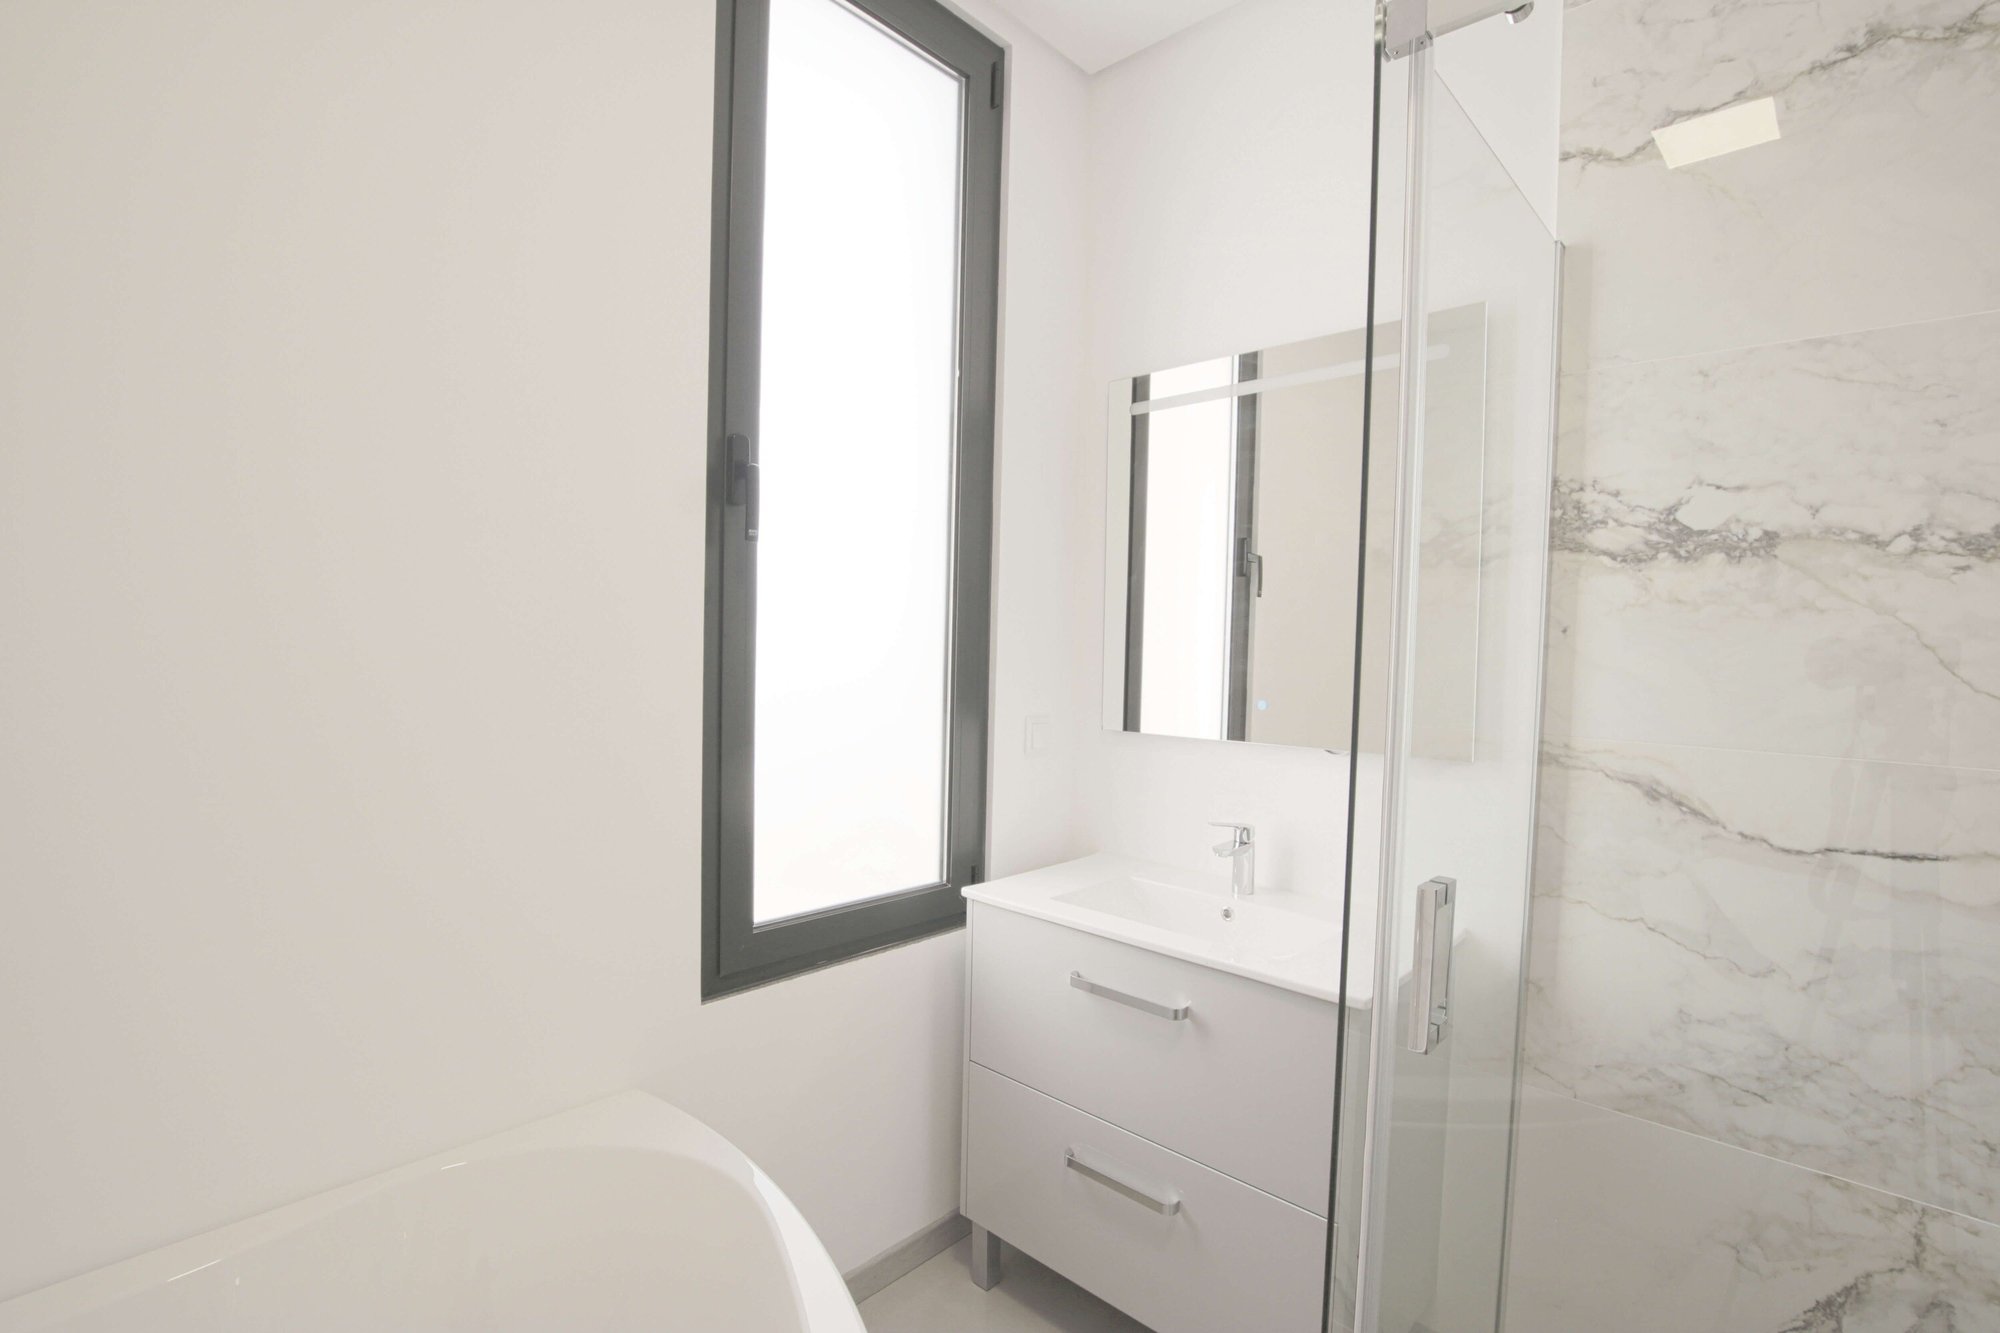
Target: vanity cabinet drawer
<point>1086,1198</point>
<point>1241,1082</point>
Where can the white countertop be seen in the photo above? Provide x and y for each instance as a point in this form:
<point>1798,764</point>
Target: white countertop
<point>1283,939</point>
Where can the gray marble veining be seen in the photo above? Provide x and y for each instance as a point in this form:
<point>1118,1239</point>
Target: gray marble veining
<point>1873,209</point>
<point>1766,930</point>
<point>1794,955</point>
<point>1624,1225</point>
<point>1755,49</point>
<point>1791,548</point>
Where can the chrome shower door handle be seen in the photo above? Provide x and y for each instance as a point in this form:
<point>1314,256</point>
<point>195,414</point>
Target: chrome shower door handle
<point>1173,1013</point>
<point>1430,966</point>
<point>1165,1202</point>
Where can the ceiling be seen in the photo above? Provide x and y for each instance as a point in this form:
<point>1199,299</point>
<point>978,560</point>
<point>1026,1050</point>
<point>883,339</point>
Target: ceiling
<point>1096,33</point>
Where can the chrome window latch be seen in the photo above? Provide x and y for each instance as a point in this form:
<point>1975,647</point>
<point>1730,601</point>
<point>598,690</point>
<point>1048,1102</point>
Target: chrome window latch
<point>745,483</point>
<point>1250,566</point>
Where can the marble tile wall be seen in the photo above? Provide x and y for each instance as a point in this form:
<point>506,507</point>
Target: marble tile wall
<point>1796,955</point>
<point>1793,547</point>
<point>1876,208</point>
<point>1698,1237</point>
<point>1763,1033</point>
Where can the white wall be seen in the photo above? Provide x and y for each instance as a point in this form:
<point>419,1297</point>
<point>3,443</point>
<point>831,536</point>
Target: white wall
<point>1043,542</point>
<point>1228,211</point>
<point>1508,77</point>
<point>352,404</point>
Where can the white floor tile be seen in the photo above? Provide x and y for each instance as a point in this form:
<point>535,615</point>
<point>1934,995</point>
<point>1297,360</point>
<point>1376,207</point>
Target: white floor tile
<point>939,1298</point>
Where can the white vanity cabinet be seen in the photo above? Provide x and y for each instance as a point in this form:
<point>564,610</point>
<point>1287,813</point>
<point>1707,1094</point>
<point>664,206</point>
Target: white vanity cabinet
<point>1156,1128</point>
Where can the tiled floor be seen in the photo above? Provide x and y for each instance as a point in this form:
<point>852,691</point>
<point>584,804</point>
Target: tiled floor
<point>939,1298</point>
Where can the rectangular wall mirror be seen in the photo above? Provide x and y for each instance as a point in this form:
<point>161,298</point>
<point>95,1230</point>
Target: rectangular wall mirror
<point>1233,540</point>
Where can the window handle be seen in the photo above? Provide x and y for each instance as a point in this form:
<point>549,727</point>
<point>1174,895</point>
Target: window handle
<point>744,487</point>
<point>1250,566</point>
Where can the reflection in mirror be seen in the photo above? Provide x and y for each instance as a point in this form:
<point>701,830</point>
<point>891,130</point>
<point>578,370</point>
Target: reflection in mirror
<point>1234,532</point>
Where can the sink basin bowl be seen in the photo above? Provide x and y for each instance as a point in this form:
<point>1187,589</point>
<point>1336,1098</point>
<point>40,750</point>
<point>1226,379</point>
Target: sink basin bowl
<point>1285,939</point>
<point>1242,929</point>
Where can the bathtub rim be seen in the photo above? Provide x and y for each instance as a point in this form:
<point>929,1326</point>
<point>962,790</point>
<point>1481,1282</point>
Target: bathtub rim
<point>631,1120</point>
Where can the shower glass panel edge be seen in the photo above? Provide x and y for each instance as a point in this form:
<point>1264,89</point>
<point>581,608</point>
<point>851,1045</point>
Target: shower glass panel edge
<point>1425,1140</point>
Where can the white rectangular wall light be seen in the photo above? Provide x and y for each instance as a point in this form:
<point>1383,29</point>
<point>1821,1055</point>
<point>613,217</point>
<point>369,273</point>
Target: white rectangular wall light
<point>1717,132</point>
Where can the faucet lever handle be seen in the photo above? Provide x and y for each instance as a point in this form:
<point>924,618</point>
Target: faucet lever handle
<point>1240,835</point>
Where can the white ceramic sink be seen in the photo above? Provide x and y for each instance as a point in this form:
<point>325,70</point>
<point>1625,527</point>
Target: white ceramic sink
<point>1286,939</point>
<point>1244,929</point>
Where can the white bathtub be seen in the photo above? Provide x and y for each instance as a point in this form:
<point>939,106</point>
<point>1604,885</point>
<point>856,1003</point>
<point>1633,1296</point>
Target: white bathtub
<point>627,1215</point>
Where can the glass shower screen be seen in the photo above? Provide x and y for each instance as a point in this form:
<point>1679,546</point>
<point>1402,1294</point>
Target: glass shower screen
<point>1441,839</point>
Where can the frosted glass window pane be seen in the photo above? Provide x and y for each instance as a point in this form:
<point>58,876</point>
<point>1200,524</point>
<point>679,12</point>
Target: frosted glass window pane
<point>856,443</point>
<point>1190,470</point>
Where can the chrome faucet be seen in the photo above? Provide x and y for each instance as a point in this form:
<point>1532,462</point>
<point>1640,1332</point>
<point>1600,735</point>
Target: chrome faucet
<point>1241,849</point>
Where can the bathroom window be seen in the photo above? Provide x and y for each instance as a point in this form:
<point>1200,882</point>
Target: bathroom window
<point>851,475</point>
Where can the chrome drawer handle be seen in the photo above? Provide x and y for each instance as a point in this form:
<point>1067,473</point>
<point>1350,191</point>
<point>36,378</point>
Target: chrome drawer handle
<point>1173,1013</point>
<point>1166,1203</point>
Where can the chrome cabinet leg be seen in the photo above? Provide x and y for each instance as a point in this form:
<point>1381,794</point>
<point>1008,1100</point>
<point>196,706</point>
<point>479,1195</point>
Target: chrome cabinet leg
<point>985,1258</point>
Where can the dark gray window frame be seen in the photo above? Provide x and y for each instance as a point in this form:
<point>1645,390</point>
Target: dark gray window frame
<point>1135,556</point>
<point>736,952</point>
<point>1246,565</point>
<point>1246,573</point>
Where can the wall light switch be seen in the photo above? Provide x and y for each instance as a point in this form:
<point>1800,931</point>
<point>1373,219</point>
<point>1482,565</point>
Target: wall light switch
<point>1036,734</point>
